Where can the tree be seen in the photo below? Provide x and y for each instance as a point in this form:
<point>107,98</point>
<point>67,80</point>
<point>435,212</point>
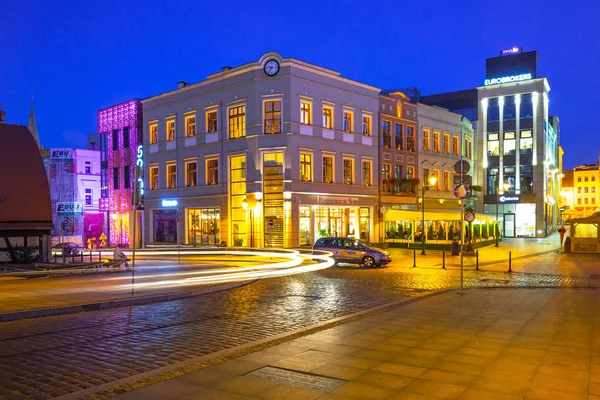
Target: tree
<point>484,230</point>
<point>441,233</point>
<point>497,226</point>
<point>477,232</point>
<point>430,232</point>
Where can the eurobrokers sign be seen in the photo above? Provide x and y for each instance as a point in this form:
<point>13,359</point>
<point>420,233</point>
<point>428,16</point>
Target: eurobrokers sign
<point>61,155</point>
<point>508,79</point>
<point>68,209</point>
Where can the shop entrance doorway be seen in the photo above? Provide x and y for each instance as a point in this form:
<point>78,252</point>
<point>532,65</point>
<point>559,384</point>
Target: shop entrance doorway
<point>509,225</point>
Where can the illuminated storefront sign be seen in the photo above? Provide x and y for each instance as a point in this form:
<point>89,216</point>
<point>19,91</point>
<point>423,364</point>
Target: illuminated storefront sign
<point>508,79</point>
<point>61,155</point>
<point>511,51</point>
<point>169,203</point>
<point>509,199</point>
<point>338,200</point>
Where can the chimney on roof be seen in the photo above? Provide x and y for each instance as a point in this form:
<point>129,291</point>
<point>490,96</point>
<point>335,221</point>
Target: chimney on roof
<point>182,84</point>
<point>2,115</point>
<point>226,68</point>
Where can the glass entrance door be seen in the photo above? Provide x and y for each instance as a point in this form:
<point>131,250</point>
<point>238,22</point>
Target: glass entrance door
<point>509,225</point>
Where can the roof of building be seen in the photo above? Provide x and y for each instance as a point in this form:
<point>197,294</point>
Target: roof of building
<point>567,180</point>
<point>24,191</point>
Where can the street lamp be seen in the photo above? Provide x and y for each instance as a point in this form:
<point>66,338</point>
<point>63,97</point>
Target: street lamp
<point>432,181</point>
<point>505,186</point>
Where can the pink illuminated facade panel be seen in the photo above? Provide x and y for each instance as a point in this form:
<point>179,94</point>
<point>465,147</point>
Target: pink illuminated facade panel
<point>120,129</point>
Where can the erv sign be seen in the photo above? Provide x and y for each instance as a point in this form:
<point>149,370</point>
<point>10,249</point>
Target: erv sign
<point>61,154</point>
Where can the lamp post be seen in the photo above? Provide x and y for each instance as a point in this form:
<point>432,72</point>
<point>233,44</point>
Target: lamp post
<point>245,207</point>
<point>432,181</point>
<point>505,186</point>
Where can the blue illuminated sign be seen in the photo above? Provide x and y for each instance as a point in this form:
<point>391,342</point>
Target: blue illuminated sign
<point>169,203</point>
<point>511,51</point>
<point>140,164</point>
<point>508,79</point>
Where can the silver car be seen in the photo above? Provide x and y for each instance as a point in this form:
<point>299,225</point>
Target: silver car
<point>353,251</point>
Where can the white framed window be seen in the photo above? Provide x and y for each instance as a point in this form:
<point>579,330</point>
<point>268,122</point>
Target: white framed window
<point>170,129</point>
<point>237,121</point>
<point>436,141</point>
<point>190,125</point>
<point>348,171</point>
<point>171,176</point>
<point>191,174</point>
<point>447,181</point>
<point>211,121</point>
<point>306,167</point>
<point>328,169</point>
<point>367,173</point>
<point>212,171</point>
<point>366,125</point>
<point>327,117</point>
<point>348,121</point>
<point>426,139</point>
<point>153,133</point>
<point>272,116</point>
<point>153,178</point>
<point>305,112</point>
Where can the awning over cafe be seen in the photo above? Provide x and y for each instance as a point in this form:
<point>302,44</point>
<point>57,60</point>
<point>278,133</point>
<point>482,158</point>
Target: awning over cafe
<point>408,215</point>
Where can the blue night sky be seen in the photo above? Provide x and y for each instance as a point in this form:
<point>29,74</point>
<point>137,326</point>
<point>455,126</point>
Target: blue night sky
<point>81,56</point>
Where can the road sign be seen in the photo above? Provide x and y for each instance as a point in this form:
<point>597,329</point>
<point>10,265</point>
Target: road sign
<point>470,216</point>
<point>271,224</point>
<point>462,167</point>
<point>462,191</point>
<point>103,236</point>
<point>102,243</point>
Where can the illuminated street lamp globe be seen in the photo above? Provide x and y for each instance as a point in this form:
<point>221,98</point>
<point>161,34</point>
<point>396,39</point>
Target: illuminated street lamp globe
<point>245,204</point>
<point>432,180</point>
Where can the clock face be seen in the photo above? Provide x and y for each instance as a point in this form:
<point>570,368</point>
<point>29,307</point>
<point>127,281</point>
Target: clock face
<point>271,67</point>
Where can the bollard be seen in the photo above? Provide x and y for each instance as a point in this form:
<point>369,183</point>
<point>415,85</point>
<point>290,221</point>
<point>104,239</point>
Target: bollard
<point>90,255</point>
<point>414,258</point>
<point>443,259</point>
<point>179,254</point>
<point>477,260</point>
<point>509,261</point>
<point>82,257</point>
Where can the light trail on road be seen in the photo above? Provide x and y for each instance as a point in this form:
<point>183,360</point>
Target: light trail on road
<point>226,275</point>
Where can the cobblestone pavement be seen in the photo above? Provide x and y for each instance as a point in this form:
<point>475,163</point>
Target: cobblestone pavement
<point>49,357</point>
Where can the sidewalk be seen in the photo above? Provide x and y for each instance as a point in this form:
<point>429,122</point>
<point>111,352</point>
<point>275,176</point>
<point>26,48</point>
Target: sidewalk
<point>487,344</point>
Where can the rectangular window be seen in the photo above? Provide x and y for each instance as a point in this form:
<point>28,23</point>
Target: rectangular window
<point>171,176</point>
<point>426,139</point>
<point>410,173</point>
<point>212,172</point>
<point>579,190</point>
<point>88,199</point>
<point>348,171</point>
<point>305,113</point>
<point>410,138</point>
<point>88,167</point>
<point>509,143</point>
<point>211,121</point>
<point>272,116</point>
<point>398,136</point>
<point>397,177</point>
<point>327,117</point>
<point>593,189</point>
<point>348,121</point>
<point>578,201</point>
<point>425,176</point>
<point>586,200</point>
<point>191,174</point>
<point>493,144</point>
<point>366,125</point>
<point>115,139</point>
<point>436,142</point>
<point>366,173</point>
<point>190,126</point>
<point>126,137</point>
<point>386,180</point>
<point>436,174</point>
<point>153,178</point>
<point>327,169</point>
<point>593,200</point>
<point>447,181</point>
<point>526,142</point>
<point>116,178</point>
<point>126,177</point>
<point>153,134</point>
<point>171,130</point>
<point>468,149</point>
<point>237,121</point>
<point>585,189</point>
<point>492,180</point>
<point>306,167</point>
<point>455,149</point>
<point>446,143</point>
<point>526,178</point>
<point>385,134</point>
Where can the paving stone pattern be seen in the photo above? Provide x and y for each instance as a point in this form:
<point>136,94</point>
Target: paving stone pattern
<point>48,357</point>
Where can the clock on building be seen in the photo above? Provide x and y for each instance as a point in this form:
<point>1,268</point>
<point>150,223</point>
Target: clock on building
<point>271,67</point>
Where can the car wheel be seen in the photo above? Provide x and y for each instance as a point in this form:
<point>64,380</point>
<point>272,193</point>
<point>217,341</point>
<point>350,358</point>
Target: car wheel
<point>368,261</point>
